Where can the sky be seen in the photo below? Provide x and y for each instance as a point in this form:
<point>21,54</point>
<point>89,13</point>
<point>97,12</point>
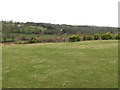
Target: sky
<point>72,12</point>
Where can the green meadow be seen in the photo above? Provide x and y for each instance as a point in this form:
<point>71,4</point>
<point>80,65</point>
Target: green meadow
<point>85,64</point>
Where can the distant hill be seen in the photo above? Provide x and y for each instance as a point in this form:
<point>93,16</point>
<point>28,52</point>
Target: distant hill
<point>30,28</point>
<point>47,28</point>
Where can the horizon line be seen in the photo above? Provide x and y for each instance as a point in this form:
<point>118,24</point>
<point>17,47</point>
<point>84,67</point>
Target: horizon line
<point>59,24</point>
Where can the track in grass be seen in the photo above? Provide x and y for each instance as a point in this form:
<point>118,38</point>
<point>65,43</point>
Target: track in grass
<point>89,64</point>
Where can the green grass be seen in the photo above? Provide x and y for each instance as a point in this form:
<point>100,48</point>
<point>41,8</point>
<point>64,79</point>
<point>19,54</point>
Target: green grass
<point>32,35</point>
<point>87,64</point>
<point>23,35</point>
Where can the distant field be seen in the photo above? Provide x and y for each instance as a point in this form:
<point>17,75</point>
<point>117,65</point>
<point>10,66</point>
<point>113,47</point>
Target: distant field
<point>86,64</point>
<point>40,35</point>
<point>32,35</point>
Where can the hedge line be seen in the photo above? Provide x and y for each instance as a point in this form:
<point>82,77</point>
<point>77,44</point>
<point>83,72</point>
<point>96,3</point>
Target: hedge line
<point>106,36</point>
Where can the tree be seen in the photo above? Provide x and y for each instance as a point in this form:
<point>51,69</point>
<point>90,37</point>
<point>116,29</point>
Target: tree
<point>106,36</point>
<point>89,37</point>
<point>33,40</point>
<point>117,37</point>
<point>96,37</point>
<point>74,38</point>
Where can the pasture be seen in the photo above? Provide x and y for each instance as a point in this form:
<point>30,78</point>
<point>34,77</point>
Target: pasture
<point>86,64</point>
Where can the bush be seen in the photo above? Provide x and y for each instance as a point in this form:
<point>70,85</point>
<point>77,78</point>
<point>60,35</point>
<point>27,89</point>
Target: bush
<point>33,40</point>
<point>96,37</point>
<point>74,38</point>
<point>106,36</point>
<point>84,38</point>
<point>89,37</point>
<point>117,37</point>
<point>4,39</point>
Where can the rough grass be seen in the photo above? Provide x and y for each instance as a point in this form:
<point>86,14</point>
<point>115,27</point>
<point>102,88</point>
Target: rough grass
<point>31,35</point>
<point>88,64</point>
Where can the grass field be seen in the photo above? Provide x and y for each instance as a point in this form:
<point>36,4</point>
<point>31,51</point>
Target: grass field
<point>40,35</point>
<point>86,64</point>
<point>32,35</point>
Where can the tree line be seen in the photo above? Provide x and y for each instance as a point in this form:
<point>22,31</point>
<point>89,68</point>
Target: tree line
<point>106,36</point>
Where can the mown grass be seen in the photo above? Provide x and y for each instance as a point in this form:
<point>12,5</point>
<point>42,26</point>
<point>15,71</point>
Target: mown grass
<point>87,64</point>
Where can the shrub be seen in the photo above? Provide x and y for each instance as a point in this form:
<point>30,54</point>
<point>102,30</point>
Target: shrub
<point>106,36</point>
<point>74,38</point>
<point>96,37</point>
<point>117,37</point>
<point>89,37</point>
<point>33,40</point>
<point>84,38</point>
<point>4,39</point>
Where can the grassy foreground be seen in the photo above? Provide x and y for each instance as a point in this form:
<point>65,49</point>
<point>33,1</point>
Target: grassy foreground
<point>88,64</point>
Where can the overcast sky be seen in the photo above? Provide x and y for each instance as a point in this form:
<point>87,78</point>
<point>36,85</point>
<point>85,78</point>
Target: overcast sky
<point>74,12</point>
